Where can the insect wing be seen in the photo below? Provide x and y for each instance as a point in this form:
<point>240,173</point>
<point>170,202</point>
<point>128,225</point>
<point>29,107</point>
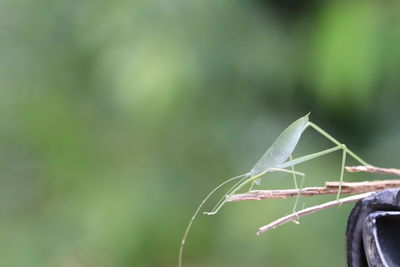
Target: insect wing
<point>281,149</point>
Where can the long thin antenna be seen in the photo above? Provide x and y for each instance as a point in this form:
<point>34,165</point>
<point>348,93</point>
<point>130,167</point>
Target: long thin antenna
<point>195,214</point>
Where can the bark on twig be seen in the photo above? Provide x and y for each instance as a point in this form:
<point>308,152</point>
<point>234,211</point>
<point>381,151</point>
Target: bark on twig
<point>366,188</point>
<point>331,188</point>
<point>373,170</point>
<point>294,216</point>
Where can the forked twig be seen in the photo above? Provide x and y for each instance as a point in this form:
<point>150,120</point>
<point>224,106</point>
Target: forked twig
<point>294,216</point>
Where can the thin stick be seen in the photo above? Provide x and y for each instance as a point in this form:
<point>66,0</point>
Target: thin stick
<point>295,216</point>
<point>330,188</point>
<point>373,170</point>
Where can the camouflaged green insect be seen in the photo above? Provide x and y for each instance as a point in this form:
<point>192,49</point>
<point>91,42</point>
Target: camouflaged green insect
<point>276,158</point>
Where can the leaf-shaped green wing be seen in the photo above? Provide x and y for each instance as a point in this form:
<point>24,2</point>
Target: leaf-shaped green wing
<point>281,149</point>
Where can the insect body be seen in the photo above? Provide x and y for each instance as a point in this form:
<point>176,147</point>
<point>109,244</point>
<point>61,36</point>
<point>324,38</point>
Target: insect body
<point>272,159</point>
<point>277,158</point>
<point>281,149</point>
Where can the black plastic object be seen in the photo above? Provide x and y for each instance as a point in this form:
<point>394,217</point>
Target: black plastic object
<point>373,231</point>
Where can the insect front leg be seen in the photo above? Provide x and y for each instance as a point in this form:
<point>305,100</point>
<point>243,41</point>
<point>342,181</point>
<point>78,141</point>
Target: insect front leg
<point>225,196</point>
<point>252,185</point>
<point>294,173</point>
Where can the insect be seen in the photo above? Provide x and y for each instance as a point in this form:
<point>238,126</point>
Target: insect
<point>276,158</point>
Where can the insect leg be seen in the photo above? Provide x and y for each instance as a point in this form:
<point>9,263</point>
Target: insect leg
<point>295,185</point>
<point>345,151</point>
<point>227,194</point>
<point>298,194</point>
<point>309,157</point>
<point>318,154</point>
<point>251,186</point>
<point>342,171</point>
<point>315,155</point>
<point>294,175</point>
<point>328,136</point>
<point>234,190</point>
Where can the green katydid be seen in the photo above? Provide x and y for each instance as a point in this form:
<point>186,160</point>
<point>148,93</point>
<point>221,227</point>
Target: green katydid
<point>278,157</point>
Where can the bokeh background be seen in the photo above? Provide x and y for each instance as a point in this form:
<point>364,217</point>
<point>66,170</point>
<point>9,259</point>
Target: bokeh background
<point>118,117</point>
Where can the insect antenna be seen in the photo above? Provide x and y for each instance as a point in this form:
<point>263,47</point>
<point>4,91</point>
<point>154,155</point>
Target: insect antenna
<point>197,211</point>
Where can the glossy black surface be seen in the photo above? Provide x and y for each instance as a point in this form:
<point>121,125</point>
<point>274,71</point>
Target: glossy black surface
<point>373,232</point>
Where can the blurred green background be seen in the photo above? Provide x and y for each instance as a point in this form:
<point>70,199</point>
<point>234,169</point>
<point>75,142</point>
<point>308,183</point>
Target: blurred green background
<point>117,117</point>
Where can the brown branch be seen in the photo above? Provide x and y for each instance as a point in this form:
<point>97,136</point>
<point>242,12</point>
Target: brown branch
<point>373,170</point>
<point>367,188</point>
<point>329,189</point>
<point>294,216</point>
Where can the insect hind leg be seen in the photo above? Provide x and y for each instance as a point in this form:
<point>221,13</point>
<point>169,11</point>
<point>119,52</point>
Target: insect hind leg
<point>344,148</point>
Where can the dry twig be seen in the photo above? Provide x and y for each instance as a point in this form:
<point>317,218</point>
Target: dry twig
<point>366,188</point>
<point>330,188</point>
<point>294,216</point>
<point>373,170</point>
